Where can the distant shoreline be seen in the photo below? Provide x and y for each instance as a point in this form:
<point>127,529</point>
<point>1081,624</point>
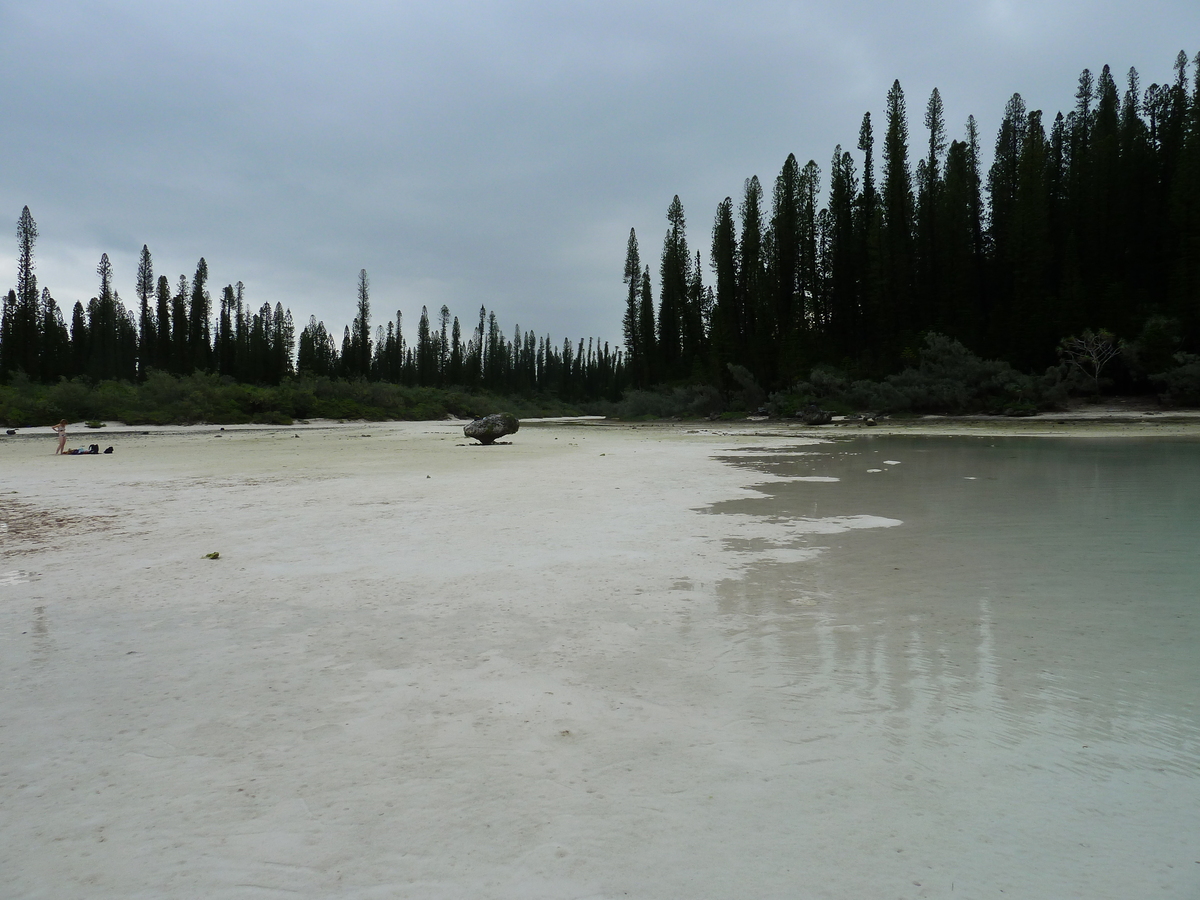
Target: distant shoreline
<point>1100,420</point>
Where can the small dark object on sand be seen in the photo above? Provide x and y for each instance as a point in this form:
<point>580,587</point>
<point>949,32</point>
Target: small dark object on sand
<point>108,450</point>
<point>11,431</point>
<point>488,428</point>
<point>214,555</point>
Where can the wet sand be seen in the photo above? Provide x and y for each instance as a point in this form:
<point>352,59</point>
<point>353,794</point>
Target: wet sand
<point>601,661</point>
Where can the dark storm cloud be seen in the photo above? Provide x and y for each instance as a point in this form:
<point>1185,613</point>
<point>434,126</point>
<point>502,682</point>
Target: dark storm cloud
<point>469,153</point>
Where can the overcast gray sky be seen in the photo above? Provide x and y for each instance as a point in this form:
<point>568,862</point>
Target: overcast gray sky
<point>475,153</point>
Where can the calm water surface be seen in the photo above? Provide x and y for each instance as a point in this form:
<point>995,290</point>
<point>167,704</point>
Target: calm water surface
<point>1017,664</point>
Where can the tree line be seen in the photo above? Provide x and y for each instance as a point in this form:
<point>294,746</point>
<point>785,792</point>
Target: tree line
<point>1088,221</point>
<point>175,330</point>
<point>170,330</point>
<point>526,363</point>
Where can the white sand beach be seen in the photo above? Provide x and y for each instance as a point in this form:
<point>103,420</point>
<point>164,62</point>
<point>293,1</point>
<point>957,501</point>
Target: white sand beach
<point>580,665</point>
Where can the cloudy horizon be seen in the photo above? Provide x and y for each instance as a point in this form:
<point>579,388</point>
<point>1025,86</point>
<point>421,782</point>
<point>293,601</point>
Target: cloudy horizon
<point>479,153</point>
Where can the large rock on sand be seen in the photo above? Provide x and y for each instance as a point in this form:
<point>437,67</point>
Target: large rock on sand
<point>814,415</point>
<point>487,429</point>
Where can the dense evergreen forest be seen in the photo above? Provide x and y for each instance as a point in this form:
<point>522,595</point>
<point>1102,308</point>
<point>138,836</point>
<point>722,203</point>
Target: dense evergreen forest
<point>1086,224</point>
<point>1089,220</point>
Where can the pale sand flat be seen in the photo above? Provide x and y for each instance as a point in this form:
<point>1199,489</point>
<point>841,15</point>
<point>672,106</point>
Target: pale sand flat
<point>427,669</point>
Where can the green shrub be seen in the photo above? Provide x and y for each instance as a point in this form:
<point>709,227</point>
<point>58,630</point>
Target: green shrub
<point>947,379</point>
<point>1182,382</point>
<point>168,399</point>
<point>684,402</point>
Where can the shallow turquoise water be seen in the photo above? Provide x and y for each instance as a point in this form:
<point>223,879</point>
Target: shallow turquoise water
<point>1028,641</point>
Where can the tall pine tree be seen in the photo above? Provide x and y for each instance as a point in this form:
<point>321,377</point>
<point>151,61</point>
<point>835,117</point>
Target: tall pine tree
<point>147,331</point>
<point>675,275</point>
<point>630,324</point>
<point>897,244</point>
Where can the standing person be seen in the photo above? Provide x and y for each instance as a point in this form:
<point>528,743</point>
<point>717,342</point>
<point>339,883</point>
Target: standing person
<point>61,428</point>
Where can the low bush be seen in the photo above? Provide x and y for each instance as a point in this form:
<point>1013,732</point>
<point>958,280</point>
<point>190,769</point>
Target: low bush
<point>164,399</point>
<point>683,402</point>
<point>949,378</point>
<point>1182,381</point>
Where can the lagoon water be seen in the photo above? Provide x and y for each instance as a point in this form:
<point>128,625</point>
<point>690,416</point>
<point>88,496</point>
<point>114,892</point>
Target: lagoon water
<point>599,662</point>
<point>1009,680</point>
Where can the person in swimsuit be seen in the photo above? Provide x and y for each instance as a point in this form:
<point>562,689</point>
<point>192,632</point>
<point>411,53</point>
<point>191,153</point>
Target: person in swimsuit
<point>61,428</point>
